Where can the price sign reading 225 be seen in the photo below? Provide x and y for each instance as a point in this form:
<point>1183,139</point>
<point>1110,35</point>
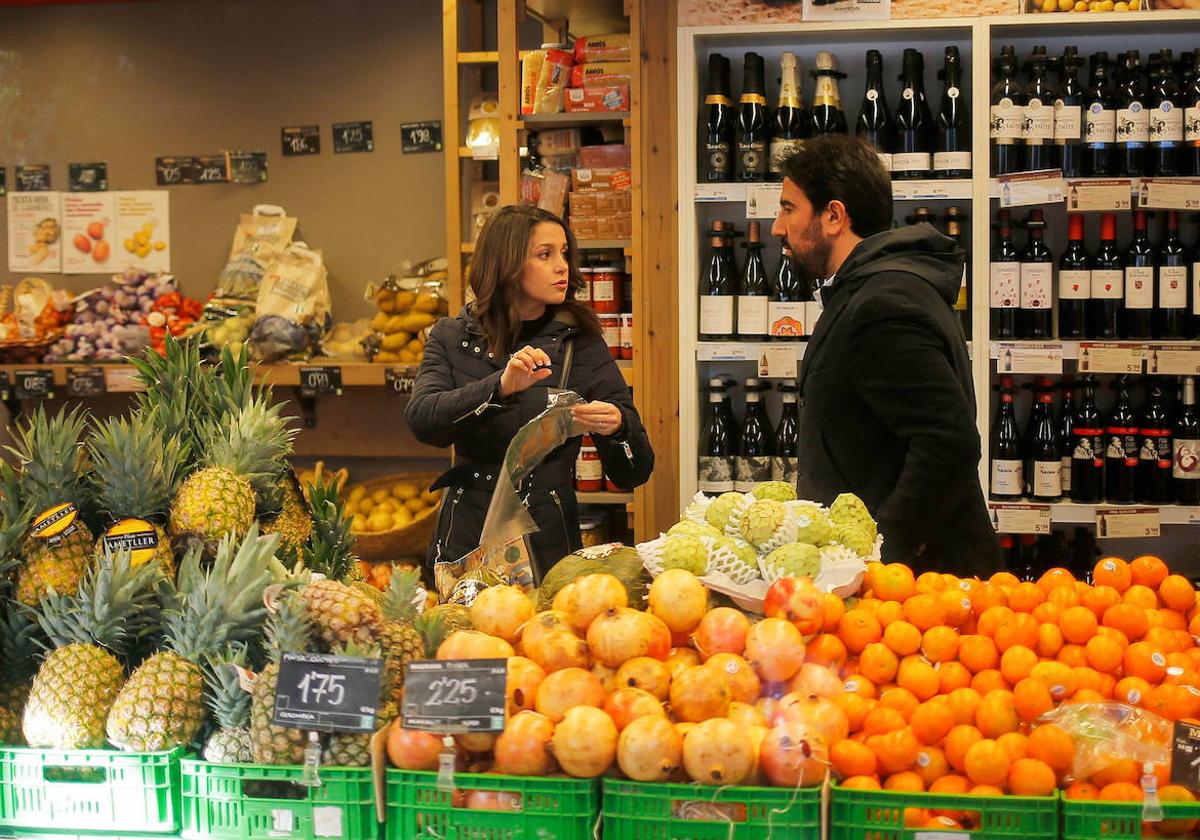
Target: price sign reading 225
<point>452,691</point>
<point>455,695</point>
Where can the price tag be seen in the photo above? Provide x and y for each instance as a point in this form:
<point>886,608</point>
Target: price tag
<point>1169,194</point>
<point>1185,755</point>
<point>1042,357</point>
<point>718,192</point>
<point>1046,186</point>
<point>400,380</point>
<point>1115,523</point>
<point>248,167</point>
<point>421,137</point>
<point>762,201</point>
<point>5,387</point>
<point>778,362</point>
<point>297,140</point>
<point>1173,359</point>
<point>353,137</point>
<point>727,351</point>
<point>212,169</point>
<point>912,190</point>
<point>1020,518</point>
<point>34,384</point>
<point>455,695</point>
<point>1099,196</point>
<point>326,693</point>
<point>1110,357</point>
<point>85,382</point>
<point>174,170</point>
<point>34,177</point>
<point>88,177</point>
<point>325,379</point>
<point>121,379</point>
<point>3,180</point>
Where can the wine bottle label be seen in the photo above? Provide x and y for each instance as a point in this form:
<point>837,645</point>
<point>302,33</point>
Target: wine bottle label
<point>1004,281</point>
<point>603,290</point>
<point>1122,445</point>
<point>584,295</point>
<point>1089,445</point>
<point>1047,478</point>
<point>1186,463</point>
<point>752,317</point>
<point>886,159</point>
<point>911,162</point>
<point>1156,448</point>
<point>1166,124</point>
<point>1037,285</point>
<point>718,156</point>
<point>1074,285</point>
<point>785,469</point>
<point>1038,124</point>
<point>716,474</point>
<point>780,147</point>
<point>1196,288</point>
<point>1101,125</point>
<point>1191,124</point>
<point>812,314</point>
<point>749,470</point>
<point>752,156</point>
<point>943,161</point>
<point>1006,121</point>
<point>1066,474</point>
<point>786,318</point>
<point>1133,124</point>
<point>1068,121</point>
<point>1139,287</point>
<point>716,315</point>
<point>1008,477</point>
<point>589,469</point>
<point>1108,284</point>
<point>716,99</point>
<point>1172,287</point>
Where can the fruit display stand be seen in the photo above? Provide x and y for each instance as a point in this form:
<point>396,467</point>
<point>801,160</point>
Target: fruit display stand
<point>1087,819</point>
<point>897,815</point>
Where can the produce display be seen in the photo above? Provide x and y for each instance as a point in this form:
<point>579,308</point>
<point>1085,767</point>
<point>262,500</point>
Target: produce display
<point>385,508</point>
<point>409,303</point>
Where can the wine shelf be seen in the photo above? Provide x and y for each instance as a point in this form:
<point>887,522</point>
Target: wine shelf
<point>953,189</point>
<point>1135,184</point>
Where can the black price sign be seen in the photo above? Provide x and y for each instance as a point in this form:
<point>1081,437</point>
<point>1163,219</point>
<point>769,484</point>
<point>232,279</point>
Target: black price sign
<point>5,387</point>
<point>86,382</point>
<point>327,693</point>
<point>421,137</point>
<point>3,181</point>
<point>174,170</point>
<point>88,177</point>
<point>325,379</point>
<point>400,380</point>
<point>353,137</point>
<point>34,384</point>
<point>248,167</point>
<point>455,695</point>
<point>1185,756</point>
<point>212,169</point>
<point>34,177</point>
<point>301,140</point>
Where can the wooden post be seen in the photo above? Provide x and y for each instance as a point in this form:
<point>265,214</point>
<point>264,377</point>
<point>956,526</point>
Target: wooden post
<point>452,131</point>
<point>510,100</point>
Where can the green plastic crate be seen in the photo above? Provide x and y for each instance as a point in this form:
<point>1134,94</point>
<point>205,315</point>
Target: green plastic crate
<point>1086,819</point>
<point>550,808</point>
<point>90,790</point>
<point>21,834</point>
<point>879,815</point>
<point>251,801</point>
<point>649,811</point>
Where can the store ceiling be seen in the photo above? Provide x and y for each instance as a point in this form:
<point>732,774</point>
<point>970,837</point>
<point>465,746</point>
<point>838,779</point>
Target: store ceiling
<point>585,17</point>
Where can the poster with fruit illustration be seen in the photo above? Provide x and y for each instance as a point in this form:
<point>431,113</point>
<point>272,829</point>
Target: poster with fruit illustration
<point>35,232</point>
<point>143,231</point>
<point>89,223</point>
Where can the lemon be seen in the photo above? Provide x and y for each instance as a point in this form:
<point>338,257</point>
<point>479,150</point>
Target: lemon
<point>404,491</point>
<point>1049,5</point>
<point>401,519</point>
<point>357,492</point>
<point>1081,6</point>
<point>415,505</point>
<point>432,497</point>
<point>387,506</point>
<point>350,508</point>
<point>358,523</point>
<point>1066,5</point>
<point>379,522</point>
<point>380,495</point>
<point>1106,5</point>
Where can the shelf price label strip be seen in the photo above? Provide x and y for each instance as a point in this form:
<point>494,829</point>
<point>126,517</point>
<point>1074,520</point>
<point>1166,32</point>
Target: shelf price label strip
<point>1111,357</point>
<point>1017,518</point>
<point>1116,523</point>
<point>1045,357</point>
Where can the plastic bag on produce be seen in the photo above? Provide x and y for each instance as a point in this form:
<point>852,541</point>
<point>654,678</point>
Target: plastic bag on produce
<point>293,308</point>
<point>410,301</point>
<point>1106,732</point>
<point>483,125</point>
<point>33,310</point>
<point>260,237</point>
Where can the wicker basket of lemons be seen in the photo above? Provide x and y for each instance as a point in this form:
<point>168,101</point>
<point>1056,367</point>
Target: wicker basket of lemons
<point>393,516</point>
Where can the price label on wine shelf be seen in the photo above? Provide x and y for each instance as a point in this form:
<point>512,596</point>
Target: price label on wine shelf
<point>321,379</point>
<point>1173,359</point>
<point>1046,186</point>
<point>34,384</point>
<point>1116,523</point>
<point>727,351</point>
<point>1020,518</point>
<point>718,192</point>
<point>1040,357</point>
<point>455,695</point>
<point>762,201</point>
<point>1099,196</point>
<point>778,362</point>
<point>327,693</point>
<point>1110,357</point>
<point>353,137</point>
<point>1169,194</point>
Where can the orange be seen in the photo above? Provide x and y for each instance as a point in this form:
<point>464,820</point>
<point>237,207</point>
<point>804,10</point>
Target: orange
<point>951,783</point>
<point>1057,676</point>
<point>858,628</point>
<point>960,739</point>
<point>985,596</point>
<point>940,644</point>
<point>1163,639</point>
<point>1047,612</point>
<point>943,823</point>
<point>1140,596</point>
<point>861,783</point>
<point>986,763</point>
<point>931,765</point>
<point>896,751</point>
<point>1017,629</point>
<point>902,637</point>
<point>893,582</point>
<point>834,608</point>
<point>869,604</point>
<point>1013,744</point>
<point>1032,699</point>
<point>963,703</point>
<point>888,612</point>
<point>1148,570</point>
<point>915,817</point>
<point>1086,695</point>
<point>1025,596</point>
<point>1173,702</point>
<point>850,758</point>
<point>1177,592</point>
<point>877,663</point>
<point>952,675</point>
<point>930,582</point>
<point>1050,744</point>
<point>1107,684</point>
<point>931,721</point>
<point>1081,790</point>
<point>1073,656</point>
<point>907,781</point>
<point>990,680</point>
<point>854,707</point>
<point>1176,828</point>
<point>1173,619</point>
<point>1100,598</point>
<point>918,676</point>
<point>978,653</point>
<point>1030,777</point>
<point>1119,770</point>
<point>1017,662</point>
<point>1063,596</point>
<point>1114,572</point>
<point>990,619</point>
<point>826,649</point>
<point>986,790</point>
<point>1104,654</point>
<point>956,606</point>
<point>883,719</point>
<point>1120,792</point>
<point>1078,624</point>
<point>1131,690</point>
<point>924,611</point>
<point>1050,640</point>
<point>1054,578</point>
<point>997,714</point>
<point>1130,620</point>
<point>1143,659</point>
<point>900,699</point>
<point>1088,678</point>
<point>860,685</point>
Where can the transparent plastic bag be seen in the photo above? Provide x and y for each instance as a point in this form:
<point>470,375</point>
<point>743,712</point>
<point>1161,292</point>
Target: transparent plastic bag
<point>1107,732</point>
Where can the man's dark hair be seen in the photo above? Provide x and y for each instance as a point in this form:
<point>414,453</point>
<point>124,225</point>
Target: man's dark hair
<point>846,169</point>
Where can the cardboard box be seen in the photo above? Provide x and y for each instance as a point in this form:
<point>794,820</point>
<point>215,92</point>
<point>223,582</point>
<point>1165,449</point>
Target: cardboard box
<point>583,204</point>
<point>584,227</point>
<point>606,179</point>
<point>615,226</point>
<point>591,100</point>
<point>609,203</point>
<point>610,156</point>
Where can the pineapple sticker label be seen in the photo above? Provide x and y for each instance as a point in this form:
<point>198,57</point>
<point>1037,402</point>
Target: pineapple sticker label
<point>320,692</point>
<point>56,524</point>
<point>137,536</point>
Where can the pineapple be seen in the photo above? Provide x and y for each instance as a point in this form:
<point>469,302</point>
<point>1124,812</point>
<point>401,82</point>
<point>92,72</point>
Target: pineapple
<point>18,630</point>
<point>230,707</point>
<point>178,392</point>
<point>162,705</point>
<point>330,547</point>
<point>401,641</point>
<point>115,608</point>
<point>352,749</point>
<point>288,631</point>
<point>340,614</point>
<point>136,471</point>
<point>293,523</point>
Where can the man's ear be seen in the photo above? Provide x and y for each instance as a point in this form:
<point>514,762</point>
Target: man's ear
<point>836,219</point>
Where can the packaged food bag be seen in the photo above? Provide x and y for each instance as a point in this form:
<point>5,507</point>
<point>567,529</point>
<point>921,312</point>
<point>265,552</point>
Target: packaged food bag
<point>293,307</point>
<point>261,236</point>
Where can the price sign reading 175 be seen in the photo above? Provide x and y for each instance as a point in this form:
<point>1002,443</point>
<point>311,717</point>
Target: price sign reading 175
<point>327,693</point>
<point>316,687</point>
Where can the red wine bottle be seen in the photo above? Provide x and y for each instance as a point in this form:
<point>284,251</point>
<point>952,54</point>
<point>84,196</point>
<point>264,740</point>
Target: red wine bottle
<point>1186,445</point>
<point>1100,121</point>
<point>1171,314</point>
<point>1068,115</point>
<point>1156,454</point>
<point>1007,466</point>
<point>1191,118</point>
<point>1140,264</point>
<point>1121,448</point>
<point>1004,280</point>
<point>1037,281</point>
<point>1037,130</point>
<point>1133,118</point>
<point>1087,453</point>
<point>1046,455</point>
<point>1006,115</point>
<point>752,303</point>
<point>718,287</point>
<point>1108,282</point>
<point>785,463</point>
<point>719,442</point>
<point>1074,282</point>
<point>1166,119</point>
<point>1066,433</point>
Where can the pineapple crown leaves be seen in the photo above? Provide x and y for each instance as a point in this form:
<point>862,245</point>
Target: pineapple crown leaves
<point>15,517</point>
<point>433,629</point>
<point>137,468</point>
<point>289,629</point>
<point>357,649</point>
<point>19,643</point>
<point>51,457</point>
<point>330,548</point>
<point>175,388</point>
<point>253,442</point>
<point>233,386</point>
<point>224,694</point>
<point>399,599</point>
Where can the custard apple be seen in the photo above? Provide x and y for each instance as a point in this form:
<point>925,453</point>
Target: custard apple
<point>793,560</point>
<point>780,491</point>
<point>848,509</point>
<point>680,551</point>
<point>693,529</point>
<point>856,538</point>
<point>814,528</point>
<point>740,549</point>
<point>719,511</point>
<point>759,522</point>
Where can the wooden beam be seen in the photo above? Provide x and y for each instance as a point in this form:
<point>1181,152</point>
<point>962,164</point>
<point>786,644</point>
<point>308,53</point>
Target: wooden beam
<point>510,100</point>
<point>479,57</point>
<point>452,120</point>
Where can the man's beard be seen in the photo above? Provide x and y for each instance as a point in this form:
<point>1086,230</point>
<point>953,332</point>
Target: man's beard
<point>810,257</point>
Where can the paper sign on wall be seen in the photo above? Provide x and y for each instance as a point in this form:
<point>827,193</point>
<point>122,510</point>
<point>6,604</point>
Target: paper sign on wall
<point>35,232</point>
<point>143,237</point>
<point>88,231</point>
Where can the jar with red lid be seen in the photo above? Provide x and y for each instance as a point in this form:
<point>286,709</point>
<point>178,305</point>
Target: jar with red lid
<point>589,472</point>
<point>626,335</point>
<point>606,290</point>
<point>584,295</point>
<point>610,328</point>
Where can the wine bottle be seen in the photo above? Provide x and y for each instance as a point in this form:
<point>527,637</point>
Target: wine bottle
<point>1185,472</point>
<point>952,155</point>
<point>1007,467</point>
<point>1068,115</point>
<point>786,306</point>
<point>1156,454</point>
<point>913,158</point>
<point>1171,319</point>
<point>1037,129</point>
<point>1037,281</point>
<point>827,115</point>
<point>1100,121</point>
<point>719,444</point>
<point>718,287</point>
<point>1087,452</point>
<point>1108,282</point>
<point>791,120</point>
<point>1166,119</point>
<point>752,316</point>
<point>1006,115</point>
<point>753,462</point>
<point>717,160</point>
<point>1066,433</point>
<point>1191,119</point>
<point>874,124</point>
<point>1074,282</point>
<point>752,121</point>
<point>1133,119</point>
<point>785,463</point>
<point>954,229</point>
<point>1121,448</point>
<point>1004,280</point>
<point>1046,454</point>
<point>1140,263</point>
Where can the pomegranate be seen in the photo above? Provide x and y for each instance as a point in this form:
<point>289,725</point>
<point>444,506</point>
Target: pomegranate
<point>501,611</point>
<point>647,674</point>
<point>717,752</point>
<point>567,688</point>
<point>795,599</point>
<point>593,595</point>
<point>680,658</point>
<point>472,644</point>
<point>744,684</point>
<point>815,679</point>
<point>661,639</point>
<point>684,727</point>
<point>606,675</point>
<point>554,650</point>
<point>679,598</point>
<point>523,747</point>
<point>626,705</point>
<point>649,749</point>
<point>775,648</point>
<point>541,623</point>
<point>585,742</point>
<point>699,693</point>
<point>493,800</point>
<point>411,749</point>
<point>755,735</point>
<point>744,714</point>
<point>722,630</point>
<point>476,742</point>
<point>618,635</point>
<point>559,604</point>
<point>820,714</point>
<point>524,677</point>
<point>793,755</point>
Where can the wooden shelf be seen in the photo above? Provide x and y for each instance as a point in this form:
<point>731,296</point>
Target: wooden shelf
<point>577,120</point>
<point>936,189</point>
<point>604,498</point>
<point>604,244</point>
<point>479,57</point>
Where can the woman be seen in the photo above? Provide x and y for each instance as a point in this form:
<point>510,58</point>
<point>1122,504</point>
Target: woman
<point>487,372</point>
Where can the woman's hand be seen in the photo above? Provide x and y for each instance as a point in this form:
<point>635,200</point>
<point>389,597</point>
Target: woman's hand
<point>599,418</point>
<point>525,368</point>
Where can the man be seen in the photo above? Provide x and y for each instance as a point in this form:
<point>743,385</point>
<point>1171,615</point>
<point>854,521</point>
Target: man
<point>887,404</point>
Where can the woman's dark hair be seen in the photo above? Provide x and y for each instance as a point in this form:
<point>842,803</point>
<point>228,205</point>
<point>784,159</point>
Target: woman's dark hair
<point>835,167</point>
<point>496,269</point>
